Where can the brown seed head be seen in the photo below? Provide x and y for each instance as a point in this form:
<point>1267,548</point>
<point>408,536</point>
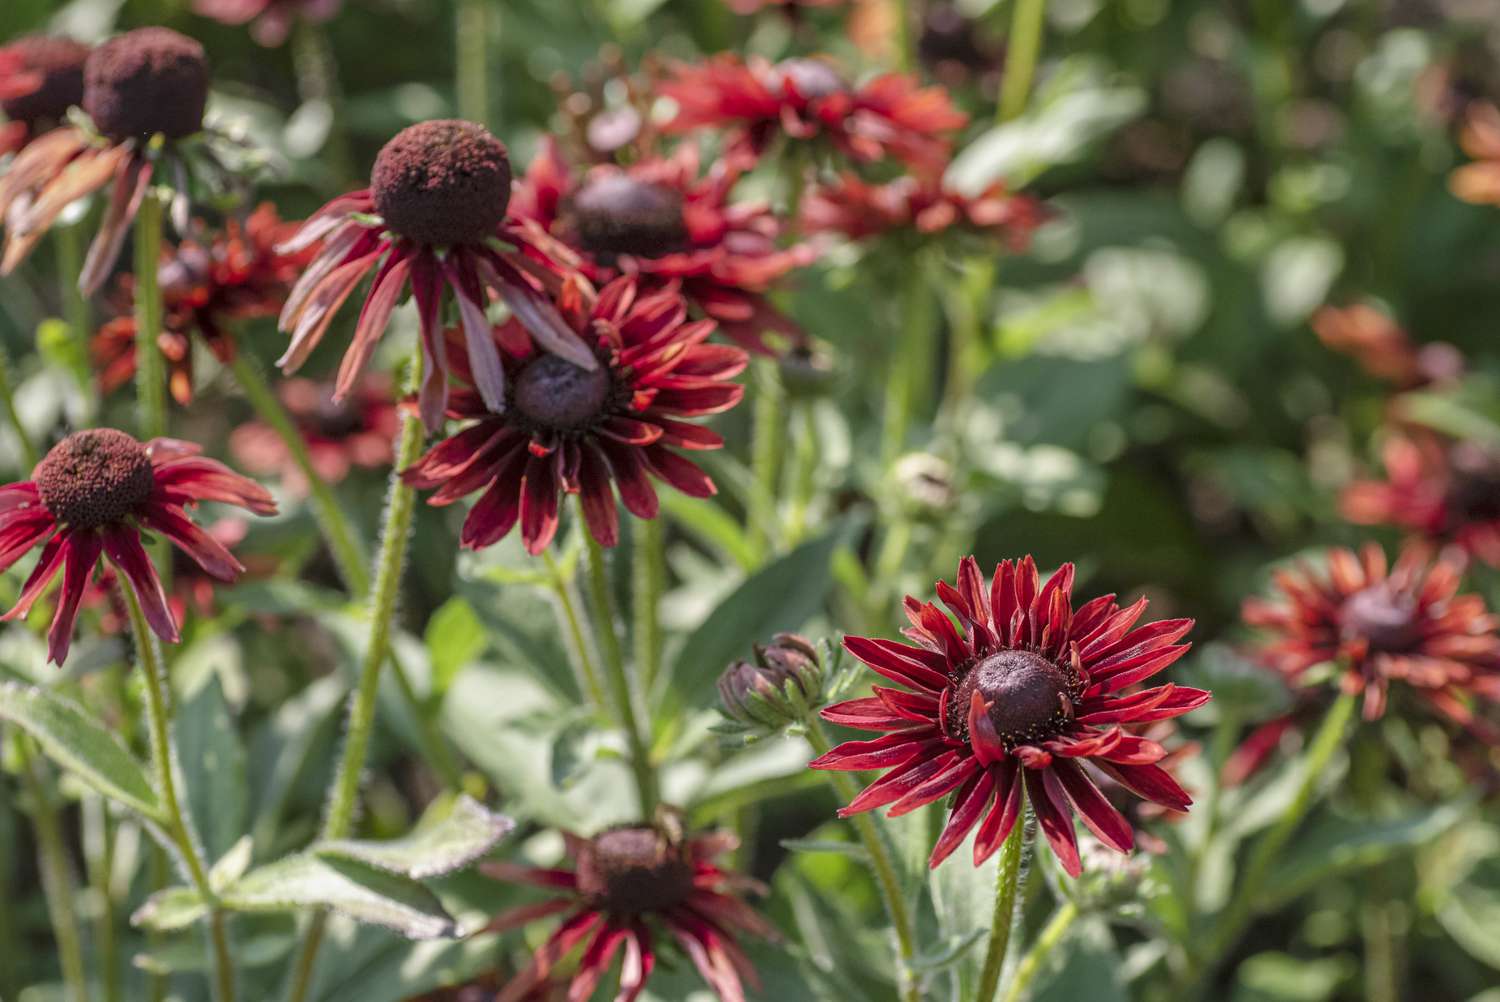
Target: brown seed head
<point>443,183</point>
<point>146,82</point>
<point>95,477</point>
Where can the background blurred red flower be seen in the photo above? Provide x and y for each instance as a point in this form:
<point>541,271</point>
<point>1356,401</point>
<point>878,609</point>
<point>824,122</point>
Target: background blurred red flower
<point>860,210</point>
<point>41,77</point>
<point>357,431</point>
<point>273,19</point>
<point>1383,348</point>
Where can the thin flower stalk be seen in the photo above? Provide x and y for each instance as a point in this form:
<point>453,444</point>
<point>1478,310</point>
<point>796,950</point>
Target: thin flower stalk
<point>151,376</point>
<point>1024,45</point>
<point>56,874</point>
<point>1031,964</point>
<point>650,561</point>
<point>1007,882</point>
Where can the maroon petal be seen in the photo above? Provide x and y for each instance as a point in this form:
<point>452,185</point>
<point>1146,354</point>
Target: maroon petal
<point>901,663</point>
<point>123,545</point>
<point>1054,816</point>
<point>968,807</point>
<point>636,492</point>
<point>878,753</point>
<point>1004,812</point>
<point>558,945</point>
<point>498,509</point>
<point>41,576</point>
<point>1097,813</point>
<point>207,551</point>
<point>636,967</point>
<point>596,497</point>
<point>989,749</point>
<point>373,320</point>
<point>524,915</point>
<point>22,530</point>
<point>679,472</point>
<point>83,550</point>
<point>595,962</point>
<point>539,503</point>
<point>1150,782</point>
<point>952,770</point>
<point>131,185</point>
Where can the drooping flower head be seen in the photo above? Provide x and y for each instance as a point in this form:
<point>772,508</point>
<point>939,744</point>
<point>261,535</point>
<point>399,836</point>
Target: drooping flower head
<point>568,430</point>
<point>1405,625</point>
<point>93,494</point>
<point>666,221</point>
<point>1441,490</point>
<point>144,92</point>
<point>271,21</point>
<point>209,284</point>
<point>628,887</point>
<point>923,205</point>
<point>356,432</point>
<point>434,218</point>
<point>1023,700</point>
<point>1383,349</point>
<point>758,102</point>
<point>41,77</point>
<point>1479,181</point>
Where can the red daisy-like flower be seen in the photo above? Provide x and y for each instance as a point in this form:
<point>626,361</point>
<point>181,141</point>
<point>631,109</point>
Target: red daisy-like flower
<point>357,431</point>
<point>1405,624</point>
<point>576,431</point>
<point>1383,349</point>
<point>144,84</point>
<point>806,99</point>
<point>41,77</point>
<point>923,205</point>
<point>1014,705</point>
<point>663,220</point>
<point>192,588</point>
<point>270,21</point>
<point>93,494</point>
<point>207,286</point>
<point>627,886</point>
<point>435,217</point>
<point>1442,490</point>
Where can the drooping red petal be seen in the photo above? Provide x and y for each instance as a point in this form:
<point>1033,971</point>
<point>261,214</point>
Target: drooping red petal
<point>1107,824</point>
<point>1054,817</point>
<point>123,545</point>
<point>83,549</point>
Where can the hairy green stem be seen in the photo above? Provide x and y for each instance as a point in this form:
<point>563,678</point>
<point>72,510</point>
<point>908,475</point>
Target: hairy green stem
<point>1031,964</point>
<point>803,486</point>
<point>153,683</point>
<point>566,605</point>
<point>57,876</point>
<point>75,305</point>
<point>650,582</point>
<point>910,363</point>
<point>767,440</point>
<point>1007,879</point>
<point>150,369</point>
<point>617,676</point>
<point>1023,46</point>
<point>473,24</point>
<point>882,865</point>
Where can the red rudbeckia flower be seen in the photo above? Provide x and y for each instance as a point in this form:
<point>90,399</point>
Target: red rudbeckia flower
<point>806,99</point>
<point>1441,490</point>
<point>41,77</point>
<point>435,217</point>
<point>1406,624</point>
<point>145,84</point>
<point>1383,349</point>
<point>1479,181</point>
<point>1027,694</point>
<point>93,494</point>
<point>207,286</point>
<point>357,431</point>
<point>628,886</point>
<point>568,430</point>
<point>924,205</point>
<point>664,221</point>
<point>273,19</point>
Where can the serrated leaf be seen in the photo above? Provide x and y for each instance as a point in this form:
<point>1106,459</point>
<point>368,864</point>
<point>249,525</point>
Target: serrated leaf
<point>213,767</point>
<point>449,837</point>
<point>361,892</point>
<point>81,745</point>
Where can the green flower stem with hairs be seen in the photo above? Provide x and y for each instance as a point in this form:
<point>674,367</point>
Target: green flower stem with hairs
<point>1007,880</point>
<point>150,369</point>
<point>1031,964</point>
<point>472,40</point>
<point>52,863</point>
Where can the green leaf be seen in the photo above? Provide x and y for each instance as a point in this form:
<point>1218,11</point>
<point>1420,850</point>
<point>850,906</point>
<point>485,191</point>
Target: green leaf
<point>232,865</point>
<point>947,953</point>
<point>170,909</point>
<point>363,964</point>
<point>1090,968</point>
<point>213,767</point>
<point>454,637</point>
<point>853,850</point>
<point>81,745</point>
<point>711,524</point>
<point>451,835</point>
<point>361,892</point>
<point>964,898</point>
<point>1280,977</point>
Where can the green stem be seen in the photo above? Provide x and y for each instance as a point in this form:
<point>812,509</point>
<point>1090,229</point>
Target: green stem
<point>1057,927</point>
<point>882,865</point>
<point>153,683</point>
<point>75,307</point>
<point>910,363</point>
<point>473,73</point>
<point>1007,878</point>
<point>317,72</point>
<point>150,368</point>
<point>57,877</point>
<point>650,582</point>
<point>8,403</point>
<point>804,473</point>
<point>98,850</point>
<point>1382,969</point>
<point>618,678</point>
<point>567,608</point>
<point>1023,46</point>
<point>338,532</point>
<point>1252,881</point>
<point>767,440</point>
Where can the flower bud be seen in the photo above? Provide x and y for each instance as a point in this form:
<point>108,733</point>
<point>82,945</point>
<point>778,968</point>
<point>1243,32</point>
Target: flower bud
<point>782,686</point>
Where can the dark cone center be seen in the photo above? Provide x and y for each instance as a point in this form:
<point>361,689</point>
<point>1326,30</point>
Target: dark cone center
<point>616,214</point>
<point>557,395</point>
<point>1028,697</point>
<point>812,78</point>
<point>93,478</point>
<point>1387,621</point>
<point>145,82</point>
<point>59,61</point>
<point>629,871</point>
<point>443,183</point>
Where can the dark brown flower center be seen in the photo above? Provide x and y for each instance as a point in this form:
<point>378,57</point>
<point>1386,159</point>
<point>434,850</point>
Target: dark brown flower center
<point>93,478</point>
<point>1385,620</point>
<point>616,214</point>
<point>1028,695</point>
<point>629,871</point>
<point>557,395</point>
<point>145,82</point>
<point>443,183</point>
<point>812,78</point>
<point>59,62</point>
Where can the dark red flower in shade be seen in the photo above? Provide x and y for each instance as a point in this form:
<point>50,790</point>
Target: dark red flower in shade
<point>1383,348</point>
<point>435,217</point>
<point>146,83</point>
<point>807,99</point>
<point>568,430</point>
<point>208,285</point>
<point>1025,695</point>
<point>270,21</point>
<point>357,431</point>
<point>1479,181</point>
<point>923,205</point>
<point>41,77</point>
<point>94,494</point>
<point>1405,624</point>
<point>665,221</point>
<point>628,886</point>
<point>791,7</point>
<point>1442,490</point>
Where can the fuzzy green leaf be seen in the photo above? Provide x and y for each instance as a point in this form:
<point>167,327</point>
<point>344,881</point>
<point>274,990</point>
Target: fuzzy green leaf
<point>449,837</point>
